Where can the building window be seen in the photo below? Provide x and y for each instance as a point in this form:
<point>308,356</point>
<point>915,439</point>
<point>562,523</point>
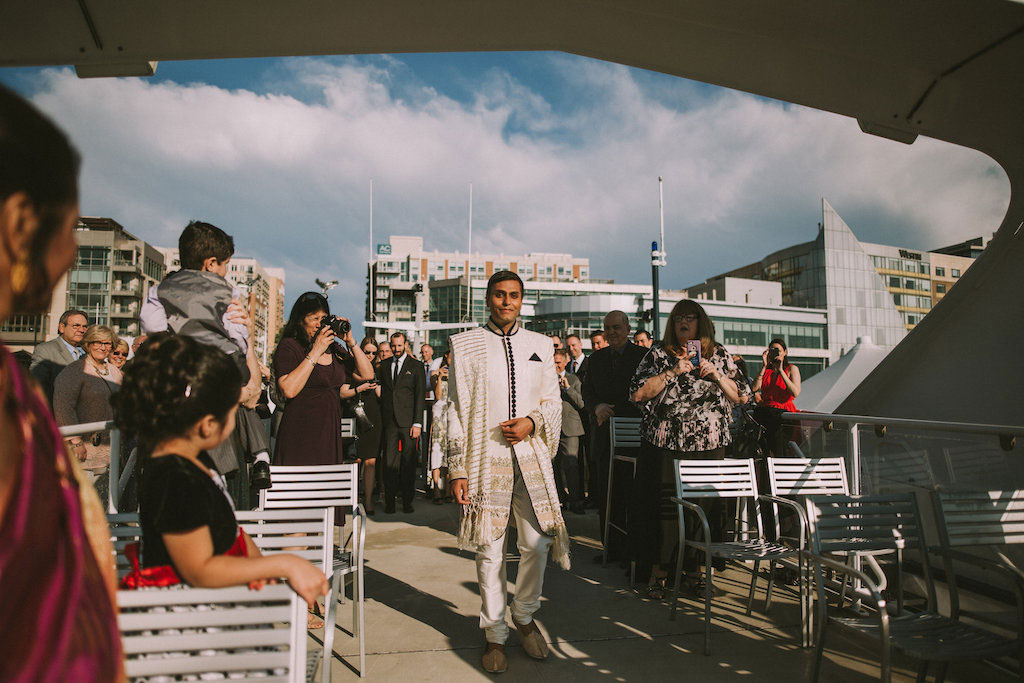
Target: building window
<point>940,288</point>
<point>940,272</point>
<point>955,272</point>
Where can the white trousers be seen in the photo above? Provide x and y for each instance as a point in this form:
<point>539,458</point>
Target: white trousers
<point>533,547</point>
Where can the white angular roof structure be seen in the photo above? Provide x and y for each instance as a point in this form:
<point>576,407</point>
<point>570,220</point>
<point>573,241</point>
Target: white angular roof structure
<point>825,391</point>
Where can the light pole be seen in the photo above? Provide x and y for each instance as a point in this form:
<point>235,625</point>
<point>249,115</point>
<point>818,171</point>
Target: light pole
<point>657,261</point>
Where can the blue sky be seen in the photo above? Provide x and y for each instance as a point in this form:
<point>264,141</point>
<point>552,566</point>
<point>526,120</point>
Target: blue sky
<point>564,154</point>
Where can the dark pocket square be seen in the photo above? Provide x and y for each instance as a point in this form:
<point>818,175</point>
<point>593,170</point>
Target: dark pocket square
<point>535,357</point>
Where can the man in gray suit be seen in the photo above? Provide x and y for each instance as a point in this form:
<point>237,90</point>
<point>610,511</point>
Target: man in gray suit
<point>50,357</point>
<point>567,463</point>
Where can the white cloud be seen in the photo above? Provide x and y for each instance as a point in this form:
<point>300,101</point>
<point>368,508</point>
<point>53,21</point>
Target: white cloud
<point>290,178</point>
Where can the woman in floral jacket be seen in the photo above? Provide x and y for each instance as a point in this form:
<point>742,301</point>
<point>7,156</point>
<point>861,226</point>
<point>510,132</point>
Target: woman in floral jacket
<point>687,407</point>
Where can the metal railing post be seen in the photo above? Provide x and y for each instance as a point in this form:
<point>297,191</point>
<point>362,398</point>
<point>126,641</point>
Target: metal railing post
<point>853,445</point>
<point>853,436</point>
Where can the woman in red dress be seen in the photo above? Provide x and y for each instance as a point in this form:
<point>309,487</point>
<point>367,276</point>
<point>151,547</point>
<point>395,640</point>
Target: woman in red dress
<point>778,384</point>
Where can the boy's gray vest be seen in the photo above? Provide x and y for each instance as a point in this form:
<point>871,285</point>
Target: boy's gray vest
<point>195,303</point>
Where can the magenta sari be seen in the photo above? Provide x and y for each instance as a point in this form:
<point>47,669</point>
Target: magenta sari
<point>57,621</point>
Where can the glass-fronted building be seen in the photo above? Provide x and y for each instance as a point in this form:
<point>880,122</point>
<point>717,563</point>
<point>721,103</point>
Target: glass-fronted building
<point>110,278</point>
<point>866,289</point>
<point>744,328</point>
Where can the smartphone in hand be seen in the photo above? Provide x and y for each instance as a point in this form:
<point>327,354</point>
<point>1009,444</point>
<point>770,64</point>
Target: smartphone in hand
<point>693,352</point>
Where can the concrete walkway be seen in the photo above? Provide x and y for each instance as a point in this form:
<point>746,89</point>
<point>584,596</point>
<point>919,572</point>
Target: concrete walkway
<point>422,605</point>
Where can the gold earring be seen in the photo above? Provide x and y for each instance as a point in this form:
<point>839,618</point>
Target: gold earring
<point>19,277</point>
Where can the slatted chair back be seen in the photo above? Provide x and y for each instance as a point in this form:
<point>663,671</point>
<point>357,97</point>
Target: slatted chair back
<point>274,531</point>
<point>234,632</point>
<point>807,476</point>
<point>976,518</point>
<point>124,530</point>
<point>845,524</point>
<point>624,433</point>
<point>313,486</point>
<point>348,428</point>
<point>624,441</point>
<point>719,479</point>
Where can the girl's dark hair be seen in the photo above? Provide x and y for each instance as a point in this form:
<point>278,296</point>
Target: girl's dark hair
<point>36,158</point>
<point>172,383</point>
<point>310,302</point>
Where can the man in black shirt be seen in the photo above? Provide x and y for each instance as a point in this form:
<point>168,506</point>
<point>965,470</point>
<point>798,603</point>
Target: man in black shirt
<point>606,395</point>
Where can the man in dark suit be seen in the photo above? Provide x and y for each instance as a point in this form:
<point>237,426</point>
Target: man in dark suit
<point>606,395</point>
<point>577,366</point>
<point>403,395</point>
<point>567,468</point>
<point>50,357</point>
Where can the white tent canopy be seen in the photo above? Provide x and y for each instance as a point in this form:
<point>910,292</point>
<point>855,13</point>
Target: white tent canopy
<point>826,390</point>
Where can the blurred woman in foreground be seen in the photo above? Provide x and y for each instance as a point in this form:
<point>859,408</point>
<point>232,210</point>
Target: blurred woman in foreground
<point>57,578</point>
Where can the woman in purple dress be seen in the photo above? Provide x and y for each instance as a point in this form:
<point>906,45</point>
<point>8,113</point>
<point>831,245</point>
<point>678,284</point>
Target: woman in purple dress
<point>311,368</point>
<point>57,614</point>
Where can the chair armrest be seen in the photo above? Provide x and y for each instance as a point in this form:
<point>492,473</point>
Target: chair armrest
<point>358,552</point>
<point>700,514</point>
<point>842,568</point>
<point>801,513</point>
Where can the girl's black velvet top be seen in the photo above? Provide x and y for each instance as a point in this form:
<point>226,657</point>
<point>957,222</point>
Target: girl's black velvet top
<point>177,496</point>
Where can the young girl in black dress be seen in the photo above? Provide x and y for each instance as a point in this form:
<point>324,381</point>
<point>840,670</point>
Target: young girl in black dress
<point>179,397</point>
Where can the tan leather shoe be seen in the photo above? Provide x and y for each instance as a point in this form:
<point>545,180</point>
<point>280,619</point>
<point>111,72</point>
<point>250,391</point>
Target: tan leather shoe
<point>494,661</point>
<point>533,642</point>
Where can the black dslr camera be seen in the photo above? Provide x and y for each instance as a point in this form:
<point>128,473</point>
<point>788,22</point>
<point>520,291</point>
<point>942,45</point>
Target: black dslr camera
<point>773,356</point>
<point>338,325</point>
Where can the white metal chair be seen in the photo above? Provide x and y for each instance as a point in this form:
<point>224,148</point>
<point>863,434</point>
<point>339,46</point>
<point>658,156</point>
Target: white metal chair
<point>624,433</point>
<point>802,477</point>
<point>329,487</point>
<point>968,520</point>
<point>859,524</point>
<point>273,531</point>
<point>703,479</point>
<point>308,533</point>
<point>235,632</point>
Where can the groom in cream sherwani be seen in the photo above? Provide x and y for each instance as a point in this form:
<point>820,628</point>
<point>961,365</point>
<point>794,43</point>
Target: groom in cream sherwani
<point>504,424</point>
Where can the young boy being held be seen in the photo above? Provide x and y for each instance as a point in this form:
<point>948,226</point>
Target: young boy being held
<point>197,301</point>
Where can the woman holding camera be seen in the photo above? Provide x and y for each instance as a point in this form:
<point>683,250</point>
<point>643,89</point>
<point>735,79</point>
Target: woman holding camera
<point>778,384</point>
<point>312,369</point>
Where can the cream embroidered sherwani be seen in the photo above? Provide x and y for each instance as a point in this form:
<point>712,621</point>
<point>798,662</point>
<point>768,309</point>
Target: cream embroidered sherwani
<point>496,377</point>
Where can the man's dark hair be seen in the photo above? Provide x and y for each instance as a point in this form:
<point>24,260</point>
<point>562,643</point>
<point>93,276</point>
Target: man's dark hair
<point>398,334</point>
<point>596,333</point>
<point>200,241</point>
<point>572,336</point>
<point>70,312</point>
<point>503,276</point>
<point>639,332</point>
